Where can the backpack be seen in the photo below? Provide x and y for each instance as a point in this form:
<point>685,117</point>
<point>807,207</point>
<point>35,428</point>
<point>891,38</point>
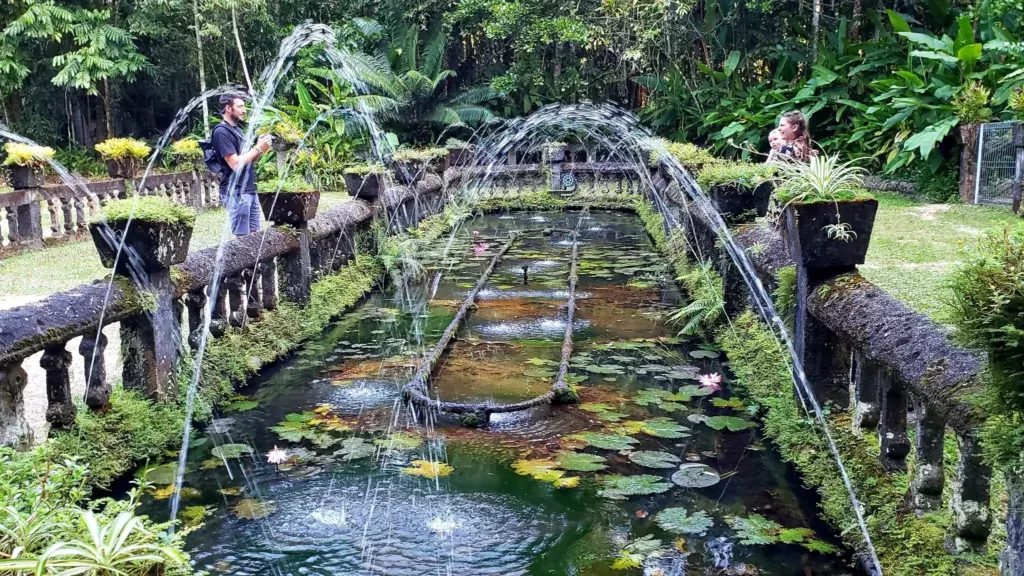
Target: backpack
<point>212,159</point>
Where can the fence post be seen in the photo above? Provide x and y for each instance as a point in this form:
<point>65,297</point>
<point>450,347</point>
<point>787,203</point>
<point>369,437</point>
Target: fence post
<point>1018,163</point>
<point>968,161</point>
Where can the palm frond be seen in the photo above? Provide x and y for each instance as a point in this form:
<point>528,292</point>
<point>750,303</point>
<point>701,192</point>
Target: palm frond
<point>474,115</point>
<point>445,116</point>
<point>474,95</point>
<point>433,52</point>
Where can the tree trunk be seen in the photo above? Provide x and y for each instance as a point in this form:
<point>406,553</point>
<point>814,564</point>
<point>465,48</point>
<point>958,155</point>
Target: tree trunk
<point>106,109</point>
<point>815,23</point>
<point>855,21</point>
<point>241,54</point>
<point>202,69</point>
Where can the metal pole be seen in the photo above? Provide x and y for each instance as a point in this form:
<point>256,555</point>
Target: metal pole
<point>977,167</point>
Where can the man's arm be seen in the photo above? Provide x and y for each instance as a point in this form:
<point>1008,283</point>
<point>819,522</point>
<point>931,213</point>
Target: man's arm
<point>239,161</point>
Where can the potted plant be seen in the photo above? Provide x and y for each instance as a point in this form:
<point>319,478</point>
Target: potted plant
<point>740,190</point>
<point>122,155</point>
<point>187,153</point>
<point>290,201</point>
<point>364,181</point>
<point>436,159</point>
<point>287,134</point>
<point>25,162</point>
<point>460,153</point>
<point>553,151</point>
<point>157,237</point>
<point>410,163</point>
<point>828,215</point>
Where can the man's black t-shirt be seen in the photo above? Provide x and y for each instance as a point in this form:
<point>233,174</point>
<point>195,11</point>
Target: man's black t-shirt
<point>227,140</point>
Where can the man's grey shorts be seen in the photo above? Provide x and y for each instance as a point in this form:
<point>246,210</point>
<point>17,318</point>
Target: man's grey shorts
<point>244,211</point>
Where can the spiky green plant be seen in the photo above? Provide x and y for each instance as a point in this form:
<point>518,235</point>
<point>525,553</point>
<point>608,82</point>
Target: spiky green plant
<point>822,179</point>
<point>19,154</point>
<point>117,148</point>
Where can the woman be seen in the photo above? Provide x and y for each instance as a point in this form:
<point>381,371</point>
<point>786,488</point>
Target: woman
<point>793,126</point>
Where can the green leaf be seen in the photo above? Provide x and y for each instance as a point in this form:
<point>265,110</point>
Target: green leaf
<point>711,354</point>
<point>579,461</point>
<point>924,40</point>
<point>241,406</point>
<point>538,373</point>
<point>355,448</point>
<point>732,423</point>
<point>754,530</point>
<point>663,427</point>
<point>694,475</point>
<point>679,521</point>
<point>930,55</point>
<point>731,62</point>
<point>227,451</point>
<point>605,441</point>
<point>618,487</point>
<point>651,459</point>
<point>399,441</point>
<point>897,22</point>
<point>794,535</point>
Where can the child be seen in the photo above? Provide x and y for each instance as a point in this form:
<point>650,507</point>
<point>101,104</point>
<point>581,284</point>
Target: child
<point>778,144</point>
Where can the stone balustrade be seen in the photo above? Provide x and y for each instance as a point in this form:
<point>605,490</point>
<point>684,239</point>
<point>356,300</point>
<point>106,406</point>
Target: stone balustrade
<point>865,352</point>
<point>68,207</point>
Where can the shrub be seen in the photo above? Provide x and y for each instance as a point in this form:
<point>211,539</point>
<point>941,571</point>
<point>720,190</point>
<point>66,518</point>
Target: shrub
<point>186,149</point>
<point>287,130</point>
<point>148,209</point>
<point>81,160</point>
<point>456,143</point>
<point>364,169</point>
<point>739,174</point>
<point>118,148</point>
<point>692,157</point>
<point>289,185</point>
<point>27,155</point>
<point>971,103</point>
<point>1016,103</point>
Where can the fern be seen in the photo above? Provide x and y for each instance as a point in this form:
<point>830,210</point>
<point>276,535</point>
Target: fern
<point>707,300</point>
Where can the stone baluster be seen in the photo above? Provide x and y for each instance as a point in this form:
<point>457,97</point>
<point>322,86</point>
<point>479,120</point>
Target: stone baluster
<point>253,304</point>
<point>865,394</point>
<point>236,306</point>
<point>51,209</point>
<point>14,429</point>
<point>968,506</point>
<point>80,214</point>
<point>268,281</point>
<point>69,219</point>
<point>12,225</point>
<point>294,268</point>
<point>60,410</point>
<point>97,393</point>
<point>892,425</point>
<point>219,322</point>
<point>929,477</point>
<point>30,221</point>
<point>195,303</point>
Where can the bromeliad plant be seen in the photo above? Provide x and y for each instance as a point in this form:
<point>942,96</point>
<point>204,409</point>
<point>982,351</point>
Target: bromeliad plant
<point>822,179</point>
<point>26,155</point>
<point>122,155</point>
<point>186,151</point>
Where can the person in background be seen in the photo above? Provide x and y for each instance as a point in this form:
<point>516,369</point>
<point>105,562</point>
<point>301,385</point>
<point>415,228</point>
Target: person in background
<point>793,126</point>
<point>779,149</point>
<point>227,139</point>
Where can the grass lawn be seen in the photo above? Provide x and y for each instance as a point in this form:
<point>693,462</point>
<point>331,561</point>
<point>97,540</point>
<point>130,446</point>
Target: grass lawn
<point>914,247</point>
<point>44,272</point>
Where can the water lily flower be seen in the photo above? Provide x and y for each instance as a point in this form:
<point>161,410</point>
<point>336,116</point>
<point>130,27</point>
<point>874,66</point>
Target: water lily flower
<point>712,381</point>
<point>277,456</point>
<point>480,248</point>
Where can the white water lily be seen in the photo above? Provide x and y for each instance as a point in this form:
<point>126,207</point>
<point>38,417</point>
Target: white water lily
<point>277,456</point>
<point>712,381</point>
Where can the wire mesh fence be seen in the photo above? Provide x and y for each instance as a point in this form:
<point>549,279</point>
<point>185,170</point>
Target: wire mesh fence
<point>996,160</point>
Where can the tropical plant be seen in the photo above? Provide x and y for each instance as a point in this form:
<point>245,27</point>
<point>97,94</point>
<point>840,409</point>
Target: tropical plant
<point>288,185</point>
<point>741,174</point>
<point>971,103</point>
<point>118,148</point>
<point>365,169</point>
<point>822,179</point>
<point>19,154</point>
<point>707,302</point>
<point>186,150</point>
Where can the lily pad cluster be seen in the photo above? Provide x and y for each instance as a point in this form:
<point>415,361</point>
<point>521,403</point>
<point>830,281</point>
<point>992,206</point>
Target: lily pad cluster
<point>757,530</point>
<point>321,427</point>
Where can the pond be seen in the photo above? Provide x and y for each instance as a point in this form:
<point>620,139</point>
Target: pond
<point>650,472</point>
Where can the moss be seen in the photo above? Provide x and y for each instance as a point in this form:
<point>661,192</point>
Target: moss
<point>691,156</point>
<point>740,174</point>
<point>287,186</point>
<point>148,209</point>
<point>785,294</point>
<point>419,154</point>
<point>364,169</point>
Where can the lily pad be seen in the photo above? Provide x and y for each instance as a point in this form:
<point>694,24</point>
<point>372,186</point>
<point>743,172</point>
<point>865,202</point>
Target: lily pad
<point>193,516</point>
<point>541,469</point>
<point>652,459</point>
<point>692,475</point>
<point>252,509</point>
<point>226,451</point>
<point>603,411</point>
<point>651,396</point>
<point>428,469</point>
<point>679,521</point>
<point>579,461</point>
<point>355,448</point>
<point>604,369</point>
<point>618,487</point>
<point>541,362</point>
<point>662,427</point>
<point>241,406</point>
<point>605,441</point>
<point>734,403</point>
<point>688,392</point>
<point>163,475</point>
<point>732,423</point>
<point>399,441</point>
<point>757,530</point>
<point>710,354</point>
<point>634,554</point>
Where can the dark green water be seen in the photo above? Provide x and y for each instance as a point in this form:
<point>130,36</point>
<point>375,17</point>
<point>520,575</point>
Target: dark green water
<point>319,513</point>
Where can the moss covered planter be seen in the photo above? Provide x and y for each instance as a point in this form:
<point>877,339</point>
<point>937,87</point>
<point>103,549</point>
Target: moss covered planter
<point>460,156</point>
<point>122,167</point>
<point>738,203</point>
<point>156,245</point>
<point>364,186</point>
<point>808,238</point>
<point>23,177</point>
<point>408,172</point>
<point>289,207</point>
<point>439,164</point>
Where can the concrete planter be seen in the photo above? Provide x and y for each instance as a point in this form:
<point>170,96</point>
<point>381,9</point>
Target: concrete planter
<point>808,241</point>
<point>122,167</point>
<point>408,172</point>
<point>366,187</point>
<point>281,145</point>
<point>153,245</point>
<point>739,203</point>
<point>289,207</point>
<point>459,156</point>
<point>439,165</point>
<point>23,177</point>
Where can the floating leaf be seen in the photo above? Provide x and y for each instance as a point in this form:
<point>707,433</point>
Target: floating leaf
<point>651,459</point>
<point>211,464</point>
<point>241,406</point>
<point>605,441</point>
<point>540,469</point>
<point>636,552</point>
<point>734,403</point>
<point>579,461</point>
<point>226,451</point>
<point>252,509</point>
<point>754,529</point>
<point>355,448</point>
<point>710,354</point>
<point>231,490</point>
<point>691,475</point>
<point>164,493</point>
<point>679,521</point>
<point>538,373</point>
<point>662,427</point>
<point>732,423</point>
<point>428,469</point>
<point>618,487</point>
<point>629,428</point>
<point>603,369</point>
<point>603,411</point>
<point>567,482</point>
<point>197,442</point>
<point>651,396</point>
<point>193,516</point>
<point>541,362</point>
<point>688,392</point>
<point>399,441</point>
<point>163,475</point>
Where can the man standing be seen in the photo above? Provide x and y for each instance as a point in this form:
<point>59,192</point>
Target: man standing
<point>240,199</point>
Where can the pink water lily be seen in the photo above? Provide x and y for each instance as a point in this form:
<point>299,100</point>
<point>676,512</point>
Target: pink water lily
<point>277,456</point>
<point>480,248</point>
<point>712,381</point>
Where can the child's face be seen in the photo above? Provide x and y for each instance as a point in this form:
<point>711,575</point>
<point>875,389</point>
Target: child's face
<point>775,139</point>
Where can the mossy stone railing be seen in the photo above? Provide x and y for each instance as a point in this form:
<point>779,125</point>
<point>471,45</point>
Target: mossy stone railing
<point>865,352</point>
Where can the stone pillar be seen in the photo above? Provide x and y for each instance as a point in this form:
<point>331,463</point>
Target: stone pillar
<point>253,305</point>
<point>80,214</point>
<point>926,488</point>
<point>60,410</point>
<point>268,279</point>
<point>30,223</point>
<point>294,268</point>
<point>555,162</point>
<point>969,503</point>
<point>1011,560</point>
<point>236,305</point>
<point>195,303</point>
<point>69,217</point>
<point>14,430</point>
<point>219,321</point>
<point>12,224</point>
<point>150,342</point>
<point>968,161</point>
<point>892,425</point>
<point>824,356</point>
<point>97,393</point>
<point>864,394</point>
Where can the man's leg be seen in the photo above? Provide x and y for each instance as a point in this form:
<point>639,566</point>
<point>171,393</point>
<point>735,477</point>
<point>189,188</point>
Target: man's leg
<point>238,215</point>
<point>254,213</point>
